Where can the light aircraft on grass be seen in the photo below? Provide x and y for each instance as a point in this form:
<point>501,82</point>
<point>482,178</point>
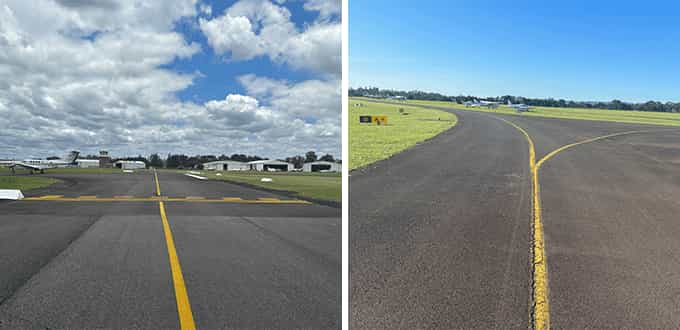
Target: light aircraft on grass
<point>519,107</point>
<point>40,165</point>
<point>477,103</point>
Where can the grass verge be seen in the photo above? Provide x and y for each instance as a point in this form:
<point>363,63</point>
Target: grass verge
<point>321,186</point>
<point>22,182</point>
<point>369,143</point>
<point>621,116</point>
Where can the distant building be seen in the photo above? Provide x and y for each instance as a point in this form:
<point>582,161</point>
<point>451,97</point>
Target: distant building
<point>226,165</point>
<point>87,163</point>
<point>130,164</point>
<point>104,159</point>
<point>270,165</point>
<point>321,166</point>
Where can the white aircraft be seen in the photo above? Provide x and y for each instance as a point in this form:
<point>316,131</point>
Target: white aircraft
<point>477,103</point>
<point>41,165</point>
<point>519,107</point>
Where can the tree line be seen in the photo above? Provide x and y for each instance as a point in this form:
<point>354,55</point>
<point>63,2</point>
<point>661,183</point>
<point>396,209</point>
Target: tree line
<point>539,102</point>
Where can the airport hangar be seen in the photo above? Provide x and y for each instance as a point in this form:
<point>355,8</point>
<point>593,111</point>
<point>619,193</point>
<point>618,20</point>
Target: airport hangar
<point>269,165</point>
<point>321,166</point>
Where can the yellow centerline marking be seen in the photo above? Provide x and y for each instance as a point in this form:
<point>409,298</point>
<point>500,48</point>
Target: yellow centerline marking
<point>158,186</point>
<point>225,200</point>
<point>51,196</point>
<point>565,147</point>
<point>186,317</point>
<point>541,312</point>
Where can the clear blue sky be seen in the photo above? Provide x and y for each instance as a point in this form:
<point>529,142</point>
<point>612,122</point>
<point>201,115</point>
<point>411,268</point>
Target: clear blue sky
<point>578,50</point>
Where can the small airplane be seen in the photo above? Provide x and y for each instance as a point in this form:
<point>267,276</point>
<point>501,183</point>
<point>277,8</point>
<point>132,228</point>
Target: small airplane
<point>519,107</point>
<point>41,165</point>
<point>477,103</point>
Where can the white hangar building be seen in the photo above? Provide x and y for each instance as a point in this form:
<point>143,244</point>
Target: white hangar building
<point>270,165</point>
<point>84,163</point>
<point>130,164</point>
<point>226,165</point>
<point>321,165</point>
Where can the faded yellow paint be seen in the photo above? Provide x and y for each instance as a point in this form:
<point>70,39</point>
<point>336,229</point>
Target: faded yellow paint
<point>565,147</point>
<point>194,199</point>
<point>540,312</point>
<point>158,186</point>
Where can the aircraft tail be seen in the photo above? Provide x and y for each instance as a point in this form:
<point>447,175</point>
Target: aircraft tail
<point>72,156</point>
<point>509,103</point>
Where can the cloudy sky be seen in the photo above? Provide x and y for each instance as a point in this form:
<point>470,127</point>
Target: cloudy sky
<point>188,76</point>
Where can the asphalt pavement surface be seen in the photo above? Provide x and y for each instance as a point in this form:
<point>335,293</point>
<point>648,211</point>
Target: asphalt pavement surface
<point>100,264</point>
<point>441,234</point>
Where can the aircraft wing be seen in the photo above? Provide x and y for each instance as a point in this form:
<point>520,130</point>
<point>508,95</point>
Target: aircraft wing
<point>28,166</point>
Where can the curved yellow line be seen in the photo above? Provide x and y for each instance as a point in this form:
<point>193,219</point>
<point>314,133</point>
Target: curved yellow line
<point>540,313</point>
<point>565,147</point>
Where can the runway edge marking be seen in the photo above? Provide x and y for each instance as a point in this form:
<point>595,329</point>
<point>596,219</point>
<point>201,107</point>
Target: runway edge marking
<point>540,313</point>
<point>186,318</point>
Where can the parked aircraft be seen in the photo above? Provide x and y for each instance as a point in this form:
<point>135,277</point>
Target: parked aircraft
<point>519,107</point>
<point>477,103</point>
<point>41,165</point>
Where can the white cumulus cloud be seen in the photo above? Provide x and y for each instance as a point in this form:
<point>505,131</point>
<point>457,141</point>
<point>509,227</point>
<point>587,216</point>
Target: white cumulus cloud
<point>92,75</point>
<point>252,28</point>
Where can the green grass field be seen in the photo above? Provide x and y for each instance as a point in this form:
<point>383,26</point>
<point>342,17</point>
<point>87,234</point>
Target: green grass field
<point>369,142</point>
<point>325,186</point>
<point>25,182</point>
<point>632,117</point>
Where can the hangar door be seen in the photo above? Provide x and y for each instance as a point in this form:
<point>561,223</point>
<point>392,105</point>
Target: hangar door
<point>276,167</point>
<point>320,167</point>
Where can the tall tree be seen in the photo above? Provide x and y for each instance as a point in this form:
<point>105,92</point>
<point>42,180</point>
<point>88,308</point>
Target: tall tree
<point>310,156</point>
<point>327,158</point>
<point>155,161</point>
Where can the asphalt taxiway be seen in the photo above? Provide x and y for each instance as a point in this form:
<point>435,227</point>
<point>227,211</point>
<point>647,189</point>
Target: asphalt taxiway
<point>443,234</point>
<point>95,253</point>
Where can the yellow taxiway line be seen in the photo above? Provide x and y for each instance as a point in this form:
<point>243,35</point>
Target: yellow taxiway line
<point>186,317</point>
<point>540,313</point>
<point>190,199</point>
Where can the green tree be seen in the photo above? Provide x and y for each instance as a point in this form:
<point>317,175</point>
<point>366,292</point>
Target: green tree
<point>310,156</point>
<point>155,161</point>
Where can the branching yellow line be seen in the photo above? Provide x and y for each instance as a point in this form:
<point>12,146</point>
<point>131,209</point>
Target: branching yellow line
<point>540,313</point>
<point>186,317</point>
<point>565,147</point>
